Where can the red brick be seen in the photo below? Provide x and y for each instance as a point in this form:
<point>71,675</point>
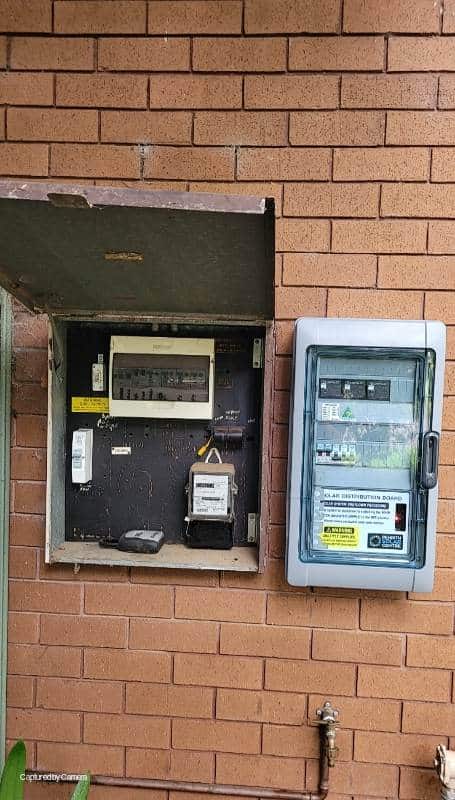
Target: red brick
<point>361,713</point>
<point>188,637</point>
<point>176,577</point>
<point>30,365</point>
<point>367,648</point>
<point>51,52</point>
<point>372,780</point>
<point>22,562</point>
<point>449,388</point>
<point>282,380</point>
<point>196,91</point>
<point>408,16</point>
<point>428,718</point>
<point>292,16</point>
<point>44,597</point>
<point>80,758</point>
<point>336,53</point>
<point>105,91</point>
<point>416,272</point>
<point>379,236</point>
<point>25,88</point>
<point>28,464</point>
<point>23,159</point>
<point>177,765</point>
<point>418,54</point>
<point>315,676</point>
<point>388,91</point>
<point>23,628</point>
<point>28,398</point>
<point>27,529</point>
<point>201,163</point>
<point>395,748</point>
<point>30,331</point>
<point>447,442</point>
<point>404,684</point>
<point>219,604</point>
<point>33,659</point>
<point>95,16</point>
<point>3,53</point>
<point>441,237</point>
<point>146,127</point>
<point>144,55</point>
<point>402,615</point>
<point>129,600</point>
<point>443,164</point>
<point>282,163</point>
<point>268,771</point>
<point>56,124</point>
<point>331,200</point>
<point>122,665</point>
<point>79,695</point>
<point>169,700</point>
<point>240,128</point>
<point>33,17</point>
<point>279,469</point>
<point>89,631</point>
<point>227,737</point>
<point>313,611</point>
<point>418,200</point>
<point>193,16</point>
<point>284,740</point>
<point>291,91</point>
<point>265,640</point>
<point>446,481</point>
<point>126,729</point>
<point>446,516</point>
<point>446,97</point>
<point>302,234</point>
<point>328,269</point>
<point>251,189</point>
<point>420,127</point>
<point>276,707</point>
<point>31,430</point>
<point>434,652</point>
<point>445,554</point>
<point>381,164</point>
<point>448,25</point>
<point>42,725</point>
<point>19,691</point>
<point>253,54</point>
<point>290,304</point>
<point>214,670</point>
<point>339,128</point>
<point>94,161</point>
<point>450,342</point>
<point>418,784</point>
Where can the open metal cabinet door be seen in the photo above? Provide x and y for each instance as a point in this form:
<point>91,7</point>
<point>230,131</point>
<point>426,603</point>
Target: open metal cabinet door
<point>82,250</point>
<point>5,387</point>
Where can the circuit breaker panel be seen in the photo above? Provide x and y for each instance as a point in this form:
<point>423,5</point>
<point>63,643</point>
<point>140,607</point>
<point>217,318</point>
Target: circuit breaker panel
<point>365,428</point>
<point>157,399</point>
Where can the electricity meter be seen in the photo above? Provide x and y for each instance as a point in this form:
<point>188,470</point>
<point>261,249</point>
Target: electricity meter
<point>211,493</point>
<point>161,377</point>
<point>364,436</point>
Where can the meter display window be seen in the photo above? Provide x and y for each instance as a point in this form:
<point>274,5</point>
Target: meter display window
<point>363,431</point>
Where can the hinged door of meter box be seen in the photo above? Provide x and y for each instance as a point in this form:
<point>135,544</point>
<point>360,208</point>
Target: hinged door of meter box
<point>365,423</point>
<point>112,264</point>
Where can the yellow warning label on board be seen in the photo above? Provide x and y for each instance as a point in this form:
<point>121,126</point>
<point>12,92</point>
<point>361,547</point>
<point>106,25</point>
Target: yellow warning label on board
<point>338,537</point>
<point>90,405</point>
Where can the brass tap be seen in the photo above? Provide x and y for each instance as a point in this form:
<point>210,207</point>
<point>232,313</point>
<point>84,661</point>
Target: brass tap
<point>327,717</point>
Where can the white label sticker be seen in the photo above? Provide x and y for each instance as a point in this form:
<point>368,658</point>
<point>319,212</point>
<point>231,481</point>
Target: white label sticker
<point>98,377</point>
<point>365,521</point>
<point>121,451</point>
<point>210,495</point>
<point>330,411</point>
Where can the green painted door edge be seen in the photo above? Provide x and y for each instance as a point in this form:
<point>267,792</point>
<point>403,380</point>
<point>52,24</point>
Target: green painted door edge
<point>5,444</point>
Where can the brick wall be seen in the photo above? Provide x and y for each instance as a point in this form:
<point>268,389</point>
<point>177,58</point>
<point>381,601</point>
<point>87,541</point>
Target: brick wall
<point>346,115</point>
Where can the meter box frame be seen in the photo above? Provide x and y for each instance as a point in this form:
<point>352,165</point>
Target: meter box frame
<point>169,264</point>
<point>366,413</point>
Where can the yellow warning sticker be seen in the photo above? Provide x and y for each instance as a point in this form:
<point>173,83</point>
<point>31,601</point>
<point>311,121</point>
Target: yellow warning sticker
<point>340,537</point>
<point>90,405</point>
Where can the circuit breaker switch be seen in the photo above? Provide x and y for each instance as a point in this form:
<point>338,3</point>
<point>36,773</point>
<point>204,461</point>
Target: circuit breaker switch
<point>81,455</point>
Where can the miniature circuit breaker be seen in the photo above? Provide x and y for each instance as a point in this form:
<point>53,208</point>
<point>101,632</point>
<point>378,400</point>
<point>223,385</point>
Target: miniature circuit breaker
<point>364,437</point>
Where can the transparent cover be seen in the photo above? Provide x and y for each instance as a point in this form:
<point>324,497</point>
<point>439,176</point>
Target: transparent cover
<point>364,419</point>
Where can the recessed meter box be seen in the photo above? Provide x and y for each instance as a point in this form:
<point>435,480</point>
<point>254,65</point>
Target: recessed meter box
<point>365,424</point>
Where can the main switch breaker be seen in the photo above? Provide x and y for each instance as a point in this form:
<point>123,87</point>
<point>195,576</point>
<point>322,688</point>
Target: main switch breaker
<point>365,423</point>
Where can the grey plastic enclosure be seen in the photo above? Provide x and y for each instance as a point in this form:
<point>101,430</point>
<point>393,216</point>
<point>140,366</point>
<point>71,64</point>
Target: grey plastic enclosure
<point>365,420</point>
